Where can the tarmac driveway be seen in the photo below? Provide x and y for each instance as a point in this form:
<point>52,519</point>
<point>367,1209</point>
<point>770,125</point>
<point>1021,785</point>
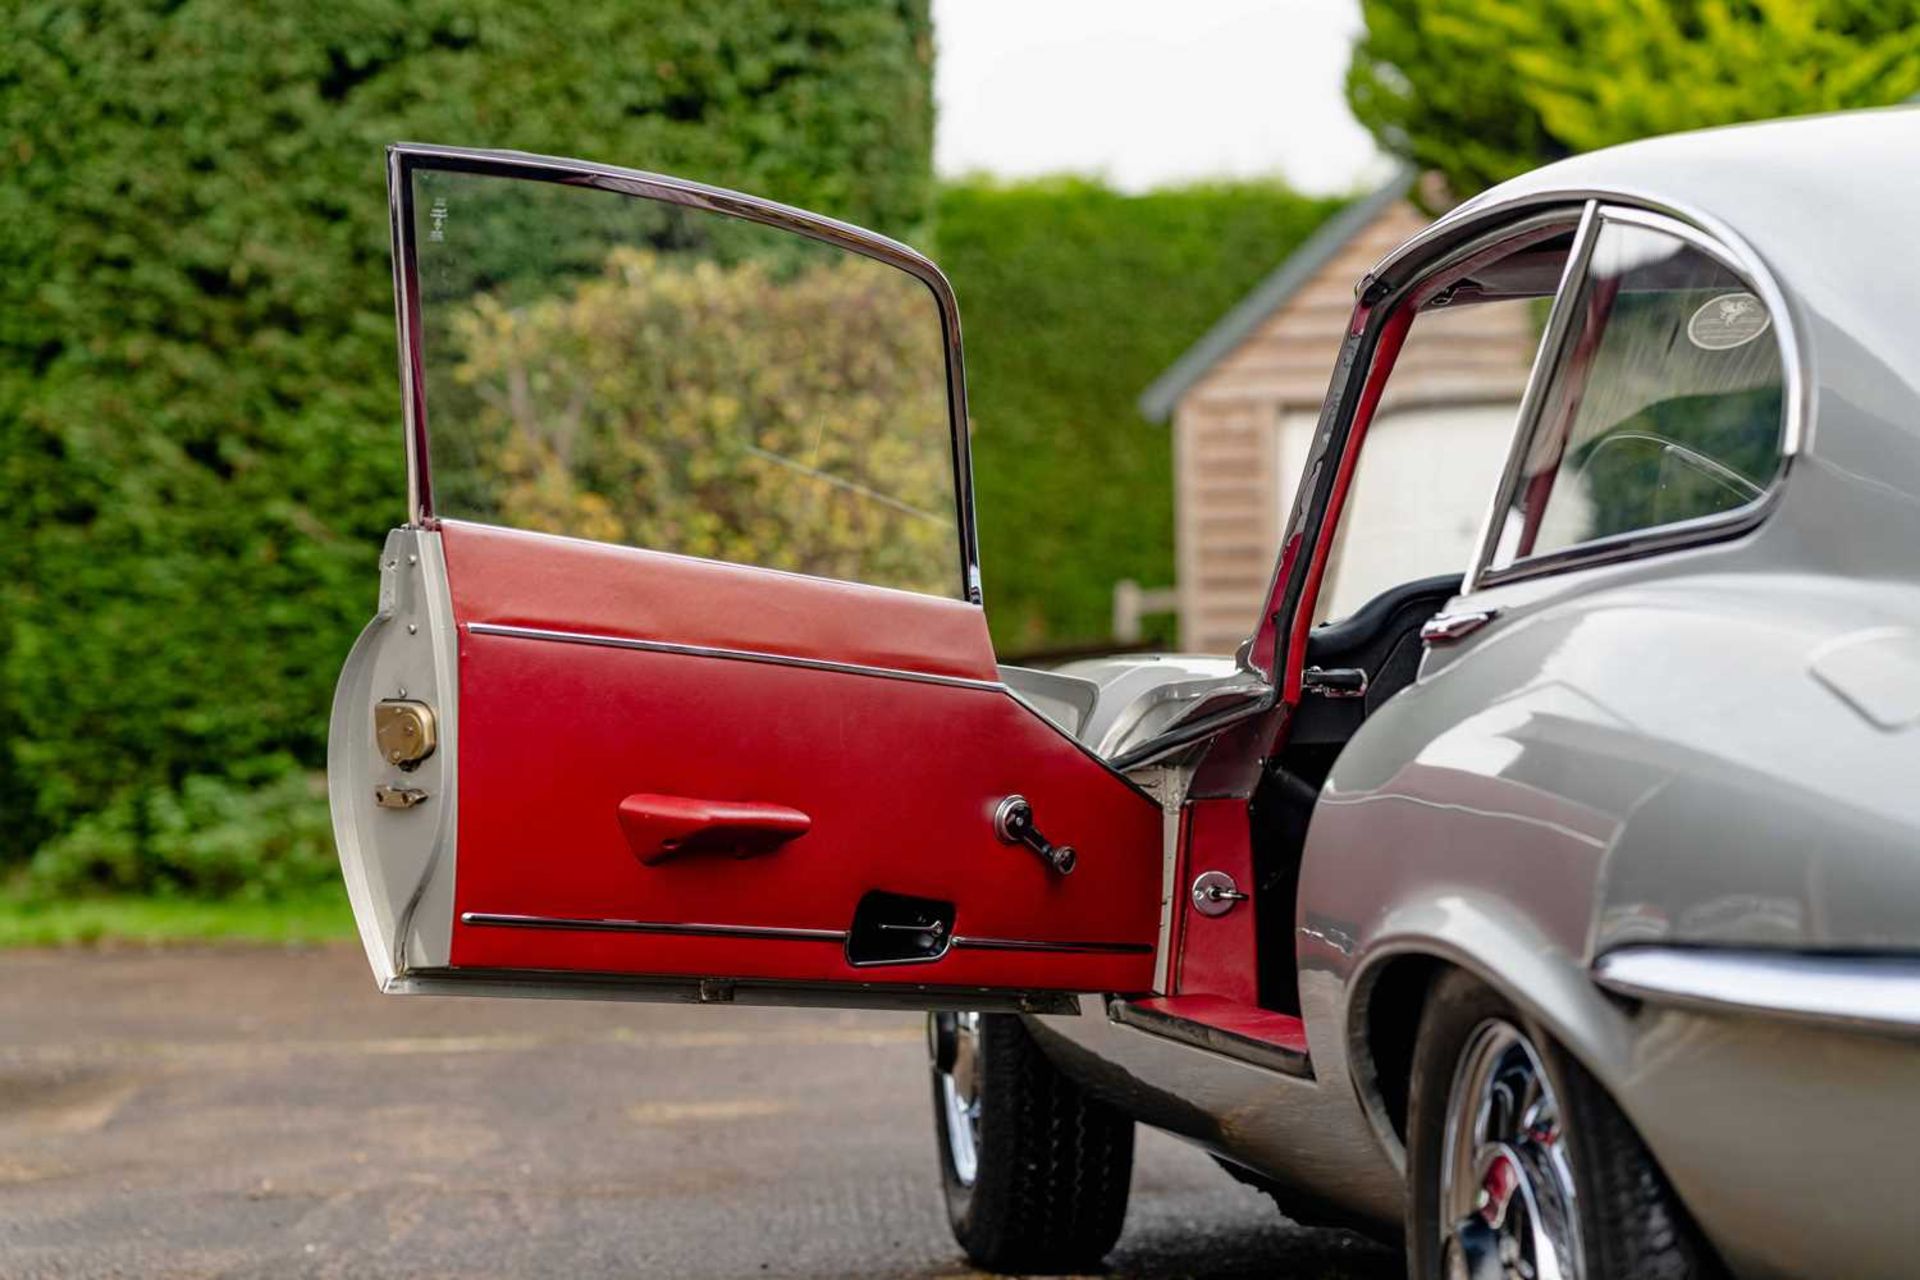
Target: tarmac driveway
<point>239,1112</point>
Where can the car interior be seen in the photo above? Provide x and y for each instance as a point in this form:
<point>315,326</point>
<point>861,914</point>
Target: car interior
<point>1354,664</point>
<point>1380,644</point>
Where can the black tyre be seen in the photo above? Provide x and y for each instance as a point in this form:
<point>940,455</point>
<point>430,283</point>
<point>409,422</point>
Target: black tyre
<point>1515,1153</point>
<point>1036,1170</point>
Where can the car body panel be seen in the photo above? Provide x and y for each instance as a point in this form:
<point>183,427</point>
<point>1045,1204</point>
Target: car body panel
<point>1304,1135</point>
<point>1675,748</point>
<point>1665,750</point>
<point>1787,1143</point>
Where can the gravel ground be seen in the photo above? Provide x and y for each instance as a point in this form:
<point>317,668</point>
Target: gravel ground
<point>238,1112</point>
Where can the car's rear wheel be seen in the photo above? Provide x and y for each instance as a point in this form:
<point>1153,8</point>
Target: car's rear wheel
<point>1036,1169</point>
<point>1521,1165</point>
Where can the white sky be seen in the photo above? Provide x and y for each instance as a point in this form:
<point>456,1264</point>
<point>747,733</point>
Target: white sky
<point>1150,92</point>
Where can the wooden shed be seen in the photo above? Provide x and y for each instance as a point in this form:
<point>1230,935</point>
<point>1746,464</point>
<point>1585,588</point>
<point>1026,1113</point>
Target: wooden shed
<point>1245,398</point>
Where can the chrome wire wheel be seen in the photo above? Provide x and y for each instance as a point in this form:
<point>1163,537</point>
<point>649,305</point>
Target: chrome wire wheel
<point>954,1039</point>
<point>1507,1203</point>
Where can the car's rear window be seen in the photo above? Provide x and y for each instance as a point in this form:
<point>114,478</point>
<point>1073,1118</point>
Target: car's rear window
<point>1666,406</point>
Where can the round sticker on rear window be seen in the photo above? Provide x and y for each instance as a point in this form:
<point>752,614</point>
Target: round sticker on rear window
<point>1730,320</point>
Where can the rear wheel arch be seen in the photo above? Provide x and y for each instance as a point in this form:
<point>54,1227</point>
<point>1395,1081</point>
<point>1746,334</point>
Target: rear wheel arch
<point>1385,1022</point>
<point>1391,984</point>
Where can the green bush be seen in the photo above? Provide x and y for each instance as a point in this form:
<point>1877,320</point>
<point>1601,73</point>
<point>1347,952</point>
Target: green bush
<point>261,839</point>
<point>1074,298</point>
<point>1481,90</point>
<point>197,394</point>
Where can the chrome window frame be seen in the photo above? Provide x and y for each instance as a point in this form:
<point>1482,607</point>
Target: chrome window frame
<point>1729,252</point>
<point>406,157</point>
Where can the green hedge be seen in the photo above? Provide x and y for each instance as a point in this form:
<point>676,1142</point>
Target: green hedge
<point>1074,297</point>
<point>197,392</point>
<point>1481,90</point>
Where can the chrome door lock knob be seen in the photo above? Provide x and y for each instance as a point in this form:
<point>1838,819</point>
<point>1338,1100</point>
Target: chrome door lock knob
<point>1013,823</point>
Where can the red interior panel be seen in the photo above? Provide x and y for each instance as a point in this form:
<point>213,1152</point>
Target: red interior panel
<point>898,778</point>
<point>1217,952</point>
<point>536,580</point>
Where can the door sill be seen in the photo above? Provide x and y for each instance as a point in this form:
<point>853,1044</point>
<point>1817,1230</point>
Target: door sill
<point>1247,1033</point>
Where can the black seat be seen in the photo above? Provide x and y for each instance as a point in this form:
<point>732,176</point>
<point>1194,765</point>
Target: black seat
<point>1381,638</point>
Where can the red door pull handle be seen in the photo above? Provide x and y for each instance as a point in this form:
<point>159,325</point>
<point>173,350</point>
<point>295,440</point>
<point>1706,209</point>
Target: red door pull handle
<point>662,827</point>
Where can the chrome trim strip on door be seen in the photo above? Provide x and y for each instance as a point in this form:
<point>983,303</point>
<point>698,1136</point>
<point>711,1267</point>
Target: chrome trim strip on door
<point>766,933</point>
<point>404,157</point>
<point>774,933</point>
<point>961,942</point>
<point>547,984</point>
<point>1873,993</point>
<point>731,655</point>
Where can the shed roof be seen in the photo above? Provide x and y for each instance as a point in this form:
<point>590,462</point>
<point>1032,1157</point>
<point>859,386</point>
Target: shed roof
<point>1157,401</point>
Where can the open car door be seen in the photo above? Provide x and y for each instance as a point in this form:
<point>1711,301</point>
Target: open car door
<point>679,684</point>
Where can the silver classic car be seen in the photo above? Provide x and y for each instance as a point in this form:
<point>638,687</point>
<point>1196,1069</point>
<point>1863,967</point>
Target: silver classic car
<point>1554,908</point>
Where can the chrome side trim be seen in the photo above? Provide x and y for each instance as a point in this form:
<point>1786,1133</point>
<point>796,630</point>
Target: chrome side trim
<point>1862,992</point>
<point>731,655</point>
<point>775,933</point>
<point>586,924</point>
<point>962,942</point>
<point>404,157</point>
<point>1258,1053</point>
<point>548,984</point>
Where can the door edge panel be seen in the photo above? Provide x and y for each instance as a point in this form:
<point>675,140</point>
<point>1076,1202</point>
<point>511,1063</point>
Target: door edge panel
<point>399,877</point>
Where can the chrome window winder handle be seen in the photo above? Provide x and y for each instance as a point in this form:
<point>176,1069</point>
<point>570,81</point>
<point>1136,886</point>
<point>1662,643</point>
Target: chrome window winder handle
<point>1013,823</point>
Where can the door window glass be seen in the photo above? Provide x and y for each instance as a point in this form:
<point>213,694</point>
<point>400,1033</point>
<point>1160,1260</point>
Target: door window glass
<point>640,372</point>
<point>1436,444</point>
<point>1666,405</point>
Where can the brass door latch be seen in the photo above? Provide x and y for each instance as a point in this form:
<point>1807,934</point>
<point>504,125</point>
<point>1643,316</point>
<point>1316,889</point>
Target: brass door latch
<point>397,797</point>
<point>404,730</point>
